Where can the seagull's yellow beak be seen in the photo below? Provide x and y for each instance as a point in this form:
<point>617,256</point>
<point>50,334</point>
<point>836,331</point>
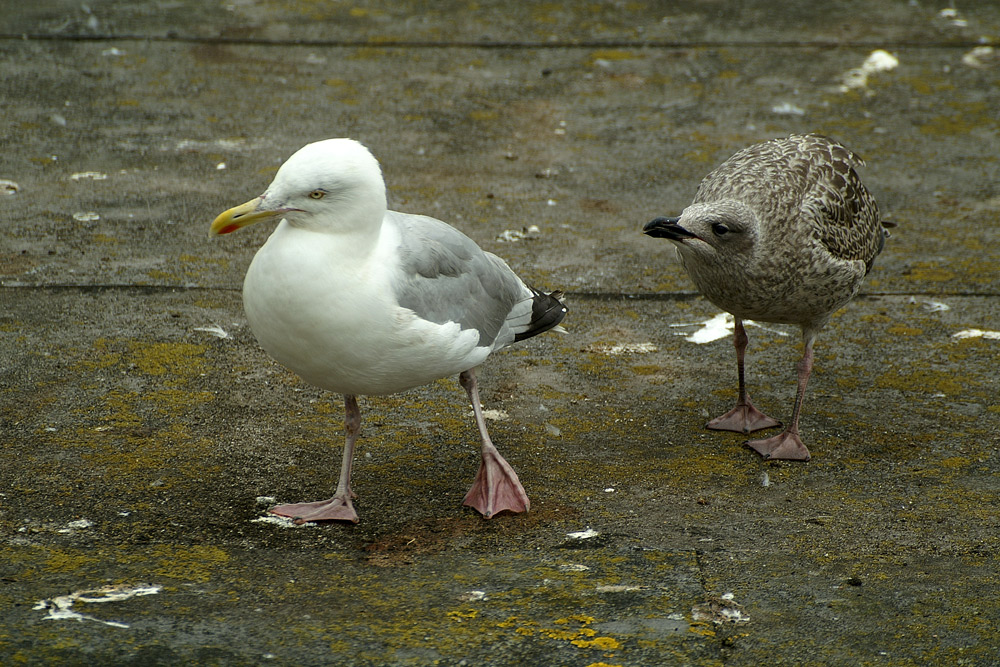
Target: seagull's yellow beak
<point>241,216</point>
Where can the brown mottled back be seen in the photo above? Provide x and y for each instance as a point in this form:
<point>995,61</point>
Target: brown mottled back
<point>804,181</point>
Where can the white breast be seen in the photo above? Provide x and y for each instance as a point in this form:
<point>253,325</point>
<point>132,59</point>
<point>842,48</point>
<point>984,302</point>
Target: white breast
<point>324,309</point>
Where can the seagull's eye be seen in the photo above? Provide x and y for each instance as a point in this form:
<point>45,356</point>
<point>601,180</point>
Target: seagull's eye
<point>317,194</point>
<point>719,229</point>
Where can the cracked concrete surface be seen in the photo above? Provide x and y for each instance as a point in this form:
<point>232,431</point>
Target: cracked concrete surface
<point>142,430</point>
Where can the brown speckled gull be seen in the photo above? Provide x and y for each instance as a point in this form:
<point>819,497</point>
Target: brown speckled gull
<point>783,231</point>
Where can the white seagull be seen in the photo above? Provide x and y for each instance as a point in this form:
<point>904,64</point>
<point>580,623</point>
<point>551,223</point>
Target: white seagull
<point>358,299</point>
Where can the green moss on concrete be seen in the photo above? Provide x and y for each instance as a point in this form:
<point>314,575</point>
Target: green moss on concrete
<point>924,379</point>
<point>189,563</point>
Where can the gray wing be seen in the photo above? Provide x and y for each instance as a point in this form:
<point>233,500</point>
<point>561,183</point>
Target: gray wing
<point>445,277</point>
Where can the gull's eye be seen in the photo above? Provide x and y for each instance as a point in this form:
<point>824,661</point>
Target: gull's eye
<point>317,194</point>
<point>719,229</point>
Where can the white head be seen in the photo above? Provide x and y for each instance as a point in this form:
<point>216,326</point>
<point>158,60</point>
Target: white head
<point>331,186</point>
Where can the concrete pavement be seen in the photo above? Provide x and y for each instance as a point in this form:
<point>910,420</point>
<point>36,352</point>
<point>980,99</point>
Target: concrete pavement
<point>139,446</point>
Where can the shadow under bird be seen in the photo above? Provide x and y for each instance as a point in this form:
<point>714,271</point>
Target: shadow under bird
<point>783,231</point>
<point>358,299</point>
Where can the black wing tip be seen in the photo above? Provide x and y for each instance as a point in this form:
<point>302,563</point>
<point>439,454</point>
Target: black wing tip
<point>547,311</point>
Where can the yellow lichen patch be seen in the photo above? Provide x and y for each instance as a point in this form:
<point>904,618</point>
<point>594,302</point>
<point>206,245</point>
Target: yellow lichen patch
<point>980,270</point>
<point>326,408</point>
<point>701,628</point>
<point>121,412</point>
<point>461,614</point>
<point>579,618</point>
<point>60,561</point>
<point>100,357</point>
<point>602,643</point>
<point>925,380</point>
<point>188,563</point>
<point>345,92</point>
<point>183,359</point>
<point>163,276</point>
<point>581,636</point>
<point>847,382</point>
<point>210,302</point>
<point>954,462</point>
<point>175,402</point>
<point>930,273</point>
<point>699,156</point>
<point>603,664</point>
<point>140,450</point>
<point>367,53</point>
<point>951,125</point>
<point>196,265</point>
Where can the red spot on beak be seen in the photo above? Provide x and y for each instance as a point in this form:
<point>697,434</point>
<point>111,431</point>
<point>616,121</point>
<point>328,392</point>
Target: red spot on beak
<point>228,228</point>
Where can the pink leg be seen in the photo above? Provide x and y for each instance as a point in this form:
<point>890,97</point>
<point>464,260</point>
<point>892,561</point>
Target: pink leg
<point>787,445</point>
<point>339,507</point>
<point>743,418</point>
<point>496,487</point>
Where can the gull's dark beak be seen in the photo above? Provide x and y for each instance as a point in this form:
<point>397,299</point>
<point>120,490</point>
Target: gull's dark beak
<point>667,228</point>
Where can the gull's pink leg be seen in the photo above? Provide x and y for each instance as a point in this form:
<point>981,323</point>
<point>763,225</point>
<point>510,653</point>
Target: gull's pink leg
<point>787,445</point>
<point>743,418</point>
<point>339,507</point>
<point>496,487</point>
